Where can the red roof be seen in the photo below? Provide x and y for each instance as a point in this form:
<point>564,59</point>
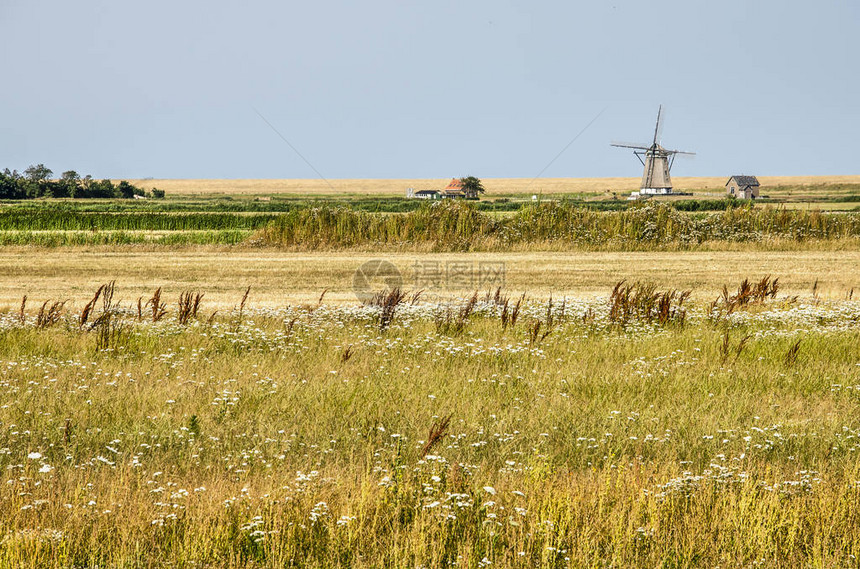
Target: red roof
<point>455,184</point>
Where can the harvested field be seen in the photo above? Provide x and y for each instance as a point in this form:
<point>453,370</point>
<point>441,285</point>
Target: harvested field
<point>278,278</point>
<point>495,186</point>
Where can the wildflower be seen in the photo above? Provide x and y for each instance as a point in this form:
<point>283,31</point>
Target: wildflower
<point>319,511</point>
<point>490,490</point>
<point>34,455</point>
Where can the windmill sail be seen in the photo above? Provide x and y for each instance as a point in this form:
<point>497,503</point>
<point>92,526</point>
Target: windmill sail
<point>658,126</point>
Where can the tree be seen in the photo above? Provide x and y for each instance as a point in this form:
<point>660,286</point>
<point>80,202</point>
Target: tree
<point>472,186</point>
<point>38,173</point>
<point>10,187</point>
<point>100,189</point>
<point>125,190</point>
<point>71,183</point>
<point>36,181</point>
<point>70,177</point>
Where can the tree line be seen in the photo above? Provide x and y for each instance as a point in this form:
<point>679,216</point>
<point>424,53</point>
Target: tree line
<point>38,182</point>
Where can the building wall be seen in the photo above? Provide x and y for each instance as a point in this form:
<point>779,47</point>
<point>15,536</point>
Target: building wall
<point>656,174</point>
<point>732,188</point>
<point>748,193</point>
<point>741,192</point>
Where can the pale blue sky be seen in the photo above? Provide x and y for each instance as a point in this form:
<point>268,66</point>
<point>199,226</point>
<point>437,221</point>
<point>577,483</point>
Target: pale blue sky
<point>385,89</point>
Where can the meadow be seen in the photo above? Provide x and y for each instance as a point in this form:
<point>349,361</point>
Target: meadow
<point>637,427</point>
<point>205,381</point>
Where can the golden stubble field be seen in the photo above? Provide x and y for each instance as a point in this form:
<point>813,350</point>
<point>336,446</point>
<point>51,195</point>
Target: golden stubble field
<point>494,186</point>
<point>575,434</point>
<point>279,278</point>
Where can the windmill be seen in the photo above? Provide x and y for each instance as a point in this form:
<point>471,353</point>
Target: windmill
<point>656,160</point>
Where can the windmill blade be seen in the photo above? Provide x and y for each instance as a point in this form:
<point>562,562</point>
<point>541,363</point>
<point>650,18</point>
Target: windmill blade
<point>629,145</point>
<point>681,152</point>
<point>658,129</point>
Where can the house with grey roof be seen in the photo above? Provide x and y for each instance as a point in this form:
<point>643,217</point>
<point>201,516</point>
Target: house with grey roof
<point>743,187</point>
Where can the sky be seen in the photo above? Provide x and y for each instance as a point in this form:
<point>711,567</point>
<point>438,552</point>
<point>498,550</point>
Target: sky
<point>416,89</point>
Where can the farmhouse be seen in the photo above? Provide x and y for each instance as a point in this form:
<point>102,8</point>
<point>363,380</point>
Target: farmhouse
<point>455,189</point>
<point>743,187</point>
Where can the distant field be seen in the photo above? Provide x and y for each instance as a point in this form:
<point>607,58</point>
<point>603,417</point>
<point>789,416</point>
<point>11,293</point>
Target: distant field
<point>495,186</point>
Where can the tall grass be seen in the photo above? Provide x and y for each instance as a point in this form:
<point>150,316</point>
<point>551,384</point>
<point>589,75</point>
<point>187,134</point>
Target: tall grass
<point>443,226</point>
<point>455,223</point>
<point>459,226</point>
<point>262,445</point>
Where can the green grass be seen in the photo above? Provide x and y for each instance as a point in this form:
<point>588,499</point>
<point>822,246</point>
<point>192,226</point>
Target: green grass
<point>118,238</point>
<point>444,226</point>
<point>294,437</point>
<point>39,219</point>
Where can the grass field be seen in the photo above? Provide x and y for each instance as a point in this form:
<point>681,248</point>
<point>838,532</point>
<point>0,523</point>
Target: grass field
<point>242,399</point>
<point>330,435</point>
<point>449,225</point>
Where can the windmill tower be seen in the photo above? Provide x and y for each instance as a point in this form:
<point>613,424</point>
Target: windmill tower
<point>656,160</point>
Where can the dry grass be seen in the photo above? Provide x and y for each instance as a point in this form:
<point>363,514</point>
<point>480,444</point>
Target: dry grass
<point>279,277</point>
<point>643,302</point>
<point>494,186</point>
<point>270,444</point>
